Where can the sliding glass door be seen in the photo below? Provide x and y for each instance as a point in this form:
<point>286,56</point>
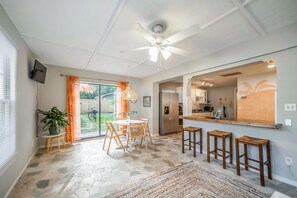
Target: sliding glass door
<point>97,106</point>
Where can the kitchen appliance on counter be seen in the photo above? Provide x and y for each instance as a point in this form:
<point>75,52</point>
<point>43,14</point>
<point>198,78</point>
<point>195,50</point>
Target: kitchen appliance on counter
<point>169,113</point>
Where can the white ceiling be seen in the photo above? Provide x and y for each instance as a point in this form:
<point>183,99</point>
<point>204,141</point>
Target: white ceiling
<point>89,34</point>
<point>218,80</point>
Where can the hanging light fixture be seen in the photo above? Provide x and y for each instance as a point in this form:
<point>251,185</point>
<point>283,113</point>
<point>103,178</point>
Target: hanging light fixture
<point>129,94</point>
<point>165,53</point>
<point>154,53</point>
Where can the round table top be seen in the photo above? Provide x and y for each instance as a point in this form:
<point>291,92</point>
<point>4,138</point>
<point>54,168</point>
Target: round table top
<point>126,122</point>
<point>47,135</point>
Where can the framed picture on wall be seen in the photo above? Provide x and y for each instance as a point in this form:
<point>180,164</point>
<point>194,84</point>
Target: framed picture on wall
<point>146,101</point>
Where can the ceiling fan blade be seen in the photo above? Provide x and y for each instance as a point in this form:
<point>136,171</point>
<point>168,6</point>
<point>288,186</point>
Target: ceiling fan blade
<point>135,49</point>
<point>177,51</point>
<point>146,34</point>
<point>182,35</point>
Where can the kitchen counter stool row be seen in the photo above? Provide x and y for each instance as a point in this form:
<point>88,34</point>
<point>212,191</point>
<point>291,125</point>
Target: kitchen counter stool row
<point>224,153</point>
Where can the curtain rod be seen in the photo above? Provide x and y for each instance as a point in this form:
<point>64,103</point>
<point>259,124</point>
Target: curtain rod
<point>99,79</point>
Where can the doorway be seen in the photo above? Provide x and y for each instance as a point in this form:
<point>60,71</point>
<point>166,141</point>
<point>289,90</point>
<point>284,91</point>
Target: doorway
<point>97,106</point>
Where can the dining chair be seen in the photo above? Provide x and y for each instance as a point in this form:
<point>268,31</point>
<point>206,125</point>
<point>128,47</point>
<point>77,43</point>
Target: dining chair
<point>137,131</point>
<point>112,133</point>
<point>147,129</point>
<point>122,128</point>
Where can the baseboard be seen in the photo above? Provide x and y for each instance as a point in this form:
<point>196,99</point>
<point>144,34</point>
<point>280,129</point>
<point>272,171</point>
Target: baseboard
<point>20,174</point>
<point>274,176</point>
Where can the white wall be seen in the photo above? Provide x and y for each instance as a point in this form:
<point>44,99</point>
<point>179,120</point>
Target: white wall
<point>283,140</point>
<point>25,108</point>
<point>214,94</point>
<point>53,92</point>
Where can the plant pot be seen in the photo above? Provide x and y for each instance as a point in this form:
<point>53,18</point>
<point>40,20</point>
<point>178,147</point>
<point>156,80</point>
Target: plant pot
<point>53,131</point>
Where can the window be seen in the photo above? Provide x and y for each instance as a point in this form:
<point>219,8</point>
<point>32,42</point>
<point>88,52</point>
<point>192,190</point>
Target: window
<point>7,100</point>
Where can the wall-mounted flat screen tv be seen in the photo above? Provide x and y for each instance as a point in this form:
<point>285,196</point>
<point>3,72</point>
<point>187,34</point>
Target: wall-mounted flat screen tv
<point>38,73</point>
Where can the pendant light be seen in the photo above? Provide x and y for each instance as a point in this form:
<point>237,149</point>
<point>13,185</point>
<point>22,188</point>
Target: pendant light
<point>129,94</point>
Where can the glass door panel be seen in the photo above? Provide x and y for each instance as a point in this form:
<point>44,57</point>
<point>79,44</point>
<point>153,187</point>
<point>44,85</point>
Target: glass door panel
<point>107,106</point>
<point>89,110</point>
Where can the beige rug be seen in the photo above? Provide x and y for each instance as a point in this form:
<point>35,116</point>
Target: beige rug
<point>190,180</point>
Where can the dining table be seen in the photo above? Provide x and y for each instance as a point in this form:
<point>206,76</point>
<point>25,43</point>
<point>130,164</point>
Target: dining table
<point>127,123</point>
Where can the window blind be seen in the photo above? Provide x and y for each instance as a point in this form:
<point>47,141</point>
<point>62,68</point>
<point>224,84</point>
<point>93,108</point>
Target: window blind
<point>7,100</point>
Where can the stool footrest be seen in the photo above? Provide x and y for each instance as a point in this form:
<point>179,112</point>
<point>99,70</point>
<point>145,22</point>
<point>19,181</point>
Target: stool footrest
<point>253,160</point>
<point>267,163</point>
<point>249,166</point>
<point>240,156</point>
<point>222,150</point>
<point>215,153</point>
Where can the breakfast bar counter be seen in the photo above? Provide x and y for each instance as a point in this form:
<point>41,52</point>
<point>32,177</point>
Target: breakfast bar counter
<point>253,123</point>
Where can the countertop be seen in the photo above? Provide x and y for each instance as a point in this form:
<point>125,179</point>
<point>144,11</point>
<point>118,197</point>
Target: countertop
<point>252,123</point>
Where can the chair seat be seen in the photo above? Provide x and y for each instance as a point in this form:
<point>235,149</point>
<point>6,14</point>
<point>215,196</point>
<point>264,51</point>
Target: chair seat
<point>220,134</point>
<point>192,129</point>
<point>252,140</point>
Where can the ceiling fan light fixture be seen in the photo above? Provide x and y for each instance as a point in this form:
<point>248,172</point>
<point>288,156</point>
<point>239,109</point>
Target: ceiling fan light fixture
<point>154,58</point>
<point>154,53</point>
<point>165,53</point>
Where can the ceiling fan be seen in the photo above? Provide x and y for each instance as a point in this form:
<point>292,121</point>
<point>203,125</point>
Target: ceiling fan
<point>161,45</point>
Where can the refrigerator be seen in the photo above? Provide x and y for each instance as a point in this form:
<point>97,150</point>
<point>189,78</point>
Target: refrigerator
<point>169,113</point>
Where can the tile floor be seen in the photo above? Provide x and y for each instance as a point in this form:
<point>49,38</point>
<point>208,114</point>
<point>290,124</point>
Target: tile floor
<point>84,169</point>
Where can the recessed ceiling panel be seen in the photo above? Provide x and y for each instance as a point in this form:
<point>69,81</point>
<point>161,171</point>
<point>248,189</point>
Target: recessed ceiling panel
<point>107,64</point>
<point>274,14</point>
<point>142,71</point>
<point>229,31</point>
<point>78,24</point>
<point>52,54</point>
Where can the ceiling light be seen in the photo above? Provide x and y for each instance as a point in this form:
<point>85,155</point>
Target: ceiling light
<point>154,51</point>
<point>129,94</point>
<point>165,53</point>
<point>154,58</point>
<point>270,63</point>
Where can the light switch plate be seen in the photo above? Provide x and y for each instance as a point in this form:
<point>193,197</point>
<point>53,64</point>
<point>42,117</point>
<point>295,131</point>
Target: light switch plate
<point>288,122</point>
<point>290,107</point>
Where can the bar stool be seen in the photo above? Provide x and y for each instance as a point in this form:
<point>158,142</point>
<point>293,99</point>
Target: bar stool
<point>192,130</point>
<point>223,135</point>
<point>246,140</point>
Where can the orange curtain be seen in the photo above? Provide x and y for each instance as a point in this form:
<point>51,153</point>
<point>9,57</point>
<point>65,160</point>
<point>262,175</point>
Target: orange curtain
<point>73,130</point>
<point>122,105</point>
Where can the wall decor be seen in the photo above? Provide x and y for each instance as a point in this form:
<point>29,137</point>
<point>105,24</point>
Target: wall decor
<point>146,101</point>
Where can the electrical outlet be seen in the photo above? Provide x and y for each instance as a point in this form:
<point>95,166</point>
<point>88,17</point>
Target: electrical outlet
<point>288,122</point>
<point>289,161</point>
<point>290,107</point>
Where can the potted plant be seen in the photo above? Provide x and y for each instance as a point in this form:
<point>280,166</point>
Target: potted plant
<point>54,119</point>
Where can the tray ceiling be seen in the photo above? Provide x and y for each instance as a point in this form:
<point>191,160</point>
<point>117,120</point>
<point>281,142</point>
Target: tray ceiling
<point>89,35</point>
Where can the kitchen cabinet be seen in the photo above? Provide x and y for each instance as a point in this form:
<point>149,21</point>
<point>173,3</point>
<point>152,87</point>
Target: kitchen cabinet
<point>179,90</point>
<point>199,96</point>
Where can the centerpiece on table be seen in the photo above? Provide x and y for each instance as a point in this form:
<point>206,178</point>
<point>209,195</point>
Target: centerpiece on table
<point>128,114</point>
<point>54,120</point>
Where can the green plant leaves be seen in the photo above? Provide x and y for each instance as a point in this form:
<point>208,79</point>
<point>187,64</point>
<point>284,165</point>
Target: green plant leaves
<point>54,118</point>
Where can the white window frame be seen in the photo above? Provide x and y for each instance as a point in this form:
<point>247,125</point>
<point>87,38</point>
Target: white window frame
<point>11,102</point>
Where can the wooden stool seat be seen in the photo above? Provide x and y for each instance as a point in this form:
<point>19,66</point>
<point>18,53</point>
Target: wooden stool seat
<point>191,130</point>
<point>253,141</point>
<point>222,135</point>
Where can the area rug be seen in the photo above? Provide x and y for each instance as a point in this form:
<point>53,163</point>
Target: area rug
<point>189,180</point>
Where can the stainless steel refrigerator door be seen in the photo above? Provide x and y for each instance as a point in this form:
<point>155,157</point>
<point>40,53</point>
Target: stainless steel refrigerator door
<point>168,113</point>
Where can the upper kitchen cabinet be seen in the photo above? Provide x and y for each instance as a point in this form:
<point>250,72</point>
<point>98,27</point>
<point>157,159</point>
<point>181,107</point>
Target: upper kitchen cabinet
<point>199,96</point>
<point>179,90</point>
